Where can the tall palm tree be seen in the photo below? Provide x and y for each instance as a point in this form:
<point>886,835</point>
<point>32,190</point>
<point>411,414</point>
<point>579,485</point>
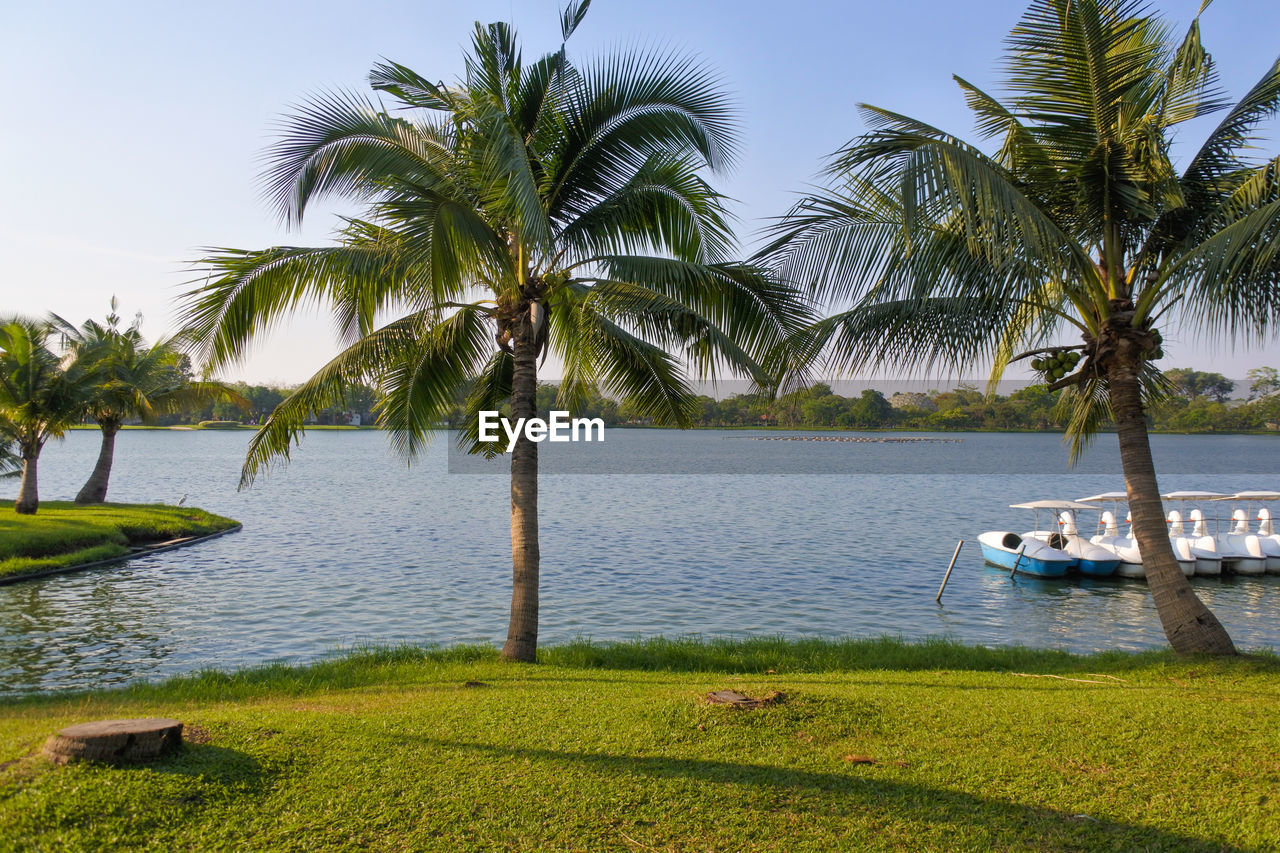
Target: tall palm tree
<point>941,254</point>
<point>40,397</point>
<point>526,208</point>
<point>130,379</point>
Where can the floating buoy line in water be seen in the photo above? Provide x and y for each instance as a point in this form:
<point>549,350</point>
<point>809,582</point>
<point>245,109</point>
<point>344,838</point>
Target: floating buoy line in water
<point>908,439</point>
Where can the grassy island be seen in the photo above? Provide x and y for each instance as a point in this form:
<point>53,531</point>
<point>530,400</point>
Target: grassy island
<point>873,745</point>
<point>64,535</point>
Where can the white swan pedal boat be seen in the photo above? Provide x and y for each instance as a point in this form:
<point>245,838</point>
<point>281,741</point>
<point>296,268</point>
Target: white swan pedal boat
<point>1049,553</point>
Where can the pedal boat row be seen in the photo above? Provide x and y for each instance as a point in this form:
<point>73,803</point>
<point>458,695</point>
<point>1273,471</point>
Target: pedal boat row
<point>1056,553</point>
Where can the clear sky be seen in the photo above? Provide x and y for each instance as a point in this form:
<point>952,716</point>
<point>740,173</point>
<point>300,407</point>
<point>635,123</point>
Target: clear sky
<point>133,130</point>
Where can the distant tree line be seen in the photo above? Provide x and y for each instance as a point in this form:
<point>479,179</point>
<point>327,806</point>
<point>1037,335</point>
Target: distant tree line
<point>1198,402</point>
<point>358,408</point>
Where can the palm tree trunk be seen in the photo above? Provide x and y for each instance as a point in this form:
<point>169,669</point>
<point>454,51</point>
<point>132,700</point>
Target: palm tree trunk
<point>1190,626</point>
<point>522,633</point>
<point>29,494</point>
<point>94,490</point>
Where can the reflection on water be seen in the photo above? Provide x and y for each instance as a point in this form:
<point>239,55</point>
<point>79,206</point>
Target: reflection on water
<point>90,637</point>
<point>348,545</point>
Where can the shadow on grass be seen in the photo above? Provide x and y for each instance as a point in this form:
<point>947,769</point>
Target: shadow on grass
<point>92,806</point>
<point>218,766</point>
<point>983,821</point>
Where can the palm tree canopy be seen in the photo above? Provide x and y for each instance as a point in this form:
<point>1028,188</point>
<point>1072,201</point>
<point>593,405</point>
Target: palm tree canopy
<point>568,196</point>
<point>130,377</point>
<point>39,399</point>
<point>944,254</point>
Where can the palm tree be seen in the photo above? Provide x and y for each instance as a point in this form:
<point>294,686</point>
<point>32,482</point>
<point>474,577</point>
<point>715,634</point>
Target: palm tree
<point>941,254</point>
<point>130,379</point>
<point>524,209</point>
<point>39,399</point>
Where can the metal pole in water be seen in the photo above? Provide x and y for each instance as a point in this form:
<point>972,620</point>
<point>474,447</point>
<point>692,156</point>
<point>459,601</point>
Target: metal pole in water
<point>947,576</point>
<point>1017,559</point>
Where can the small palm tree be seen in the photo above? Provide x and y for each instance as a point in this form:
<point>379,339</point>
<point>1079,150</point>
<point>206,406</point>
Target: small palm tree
<point>130,380</point>
<point>527,208</point>
<point>40,397</point>
<point>944,254</point>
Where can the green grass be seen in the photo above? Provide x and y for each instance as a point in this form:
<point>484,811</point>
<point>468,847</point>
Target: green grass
<point>63,534</point>
<point>610,747</point>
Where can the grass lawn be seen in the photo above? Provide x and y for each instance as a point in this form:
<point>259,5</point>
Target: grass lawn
<point>877,746</point>
<point>63,534</point>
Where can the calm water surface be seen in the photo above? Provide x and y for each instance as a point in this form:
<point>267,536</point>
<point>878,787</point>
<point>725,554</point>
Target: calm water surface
<point>724,535</point>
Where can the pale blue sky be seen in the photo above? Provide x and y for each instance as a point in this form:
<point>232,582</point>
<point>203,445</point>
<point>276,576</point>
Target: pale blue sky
<point>133,130</point>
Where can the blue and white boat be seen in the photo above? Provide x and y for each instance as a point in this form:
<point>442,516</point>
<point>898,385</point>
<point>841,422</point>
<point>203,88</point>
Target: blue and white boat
<point>1050,553</point>
<point>1090,559</point>
<point>1027,555</point>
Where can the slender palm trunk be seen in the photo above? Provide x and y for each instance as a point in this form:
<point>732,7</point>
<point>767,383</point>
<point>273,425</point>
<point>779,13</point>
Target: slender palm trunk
<point>522,633</point>
<point>29,494</point>
<point>94,490</point>
<point>1190,626</point>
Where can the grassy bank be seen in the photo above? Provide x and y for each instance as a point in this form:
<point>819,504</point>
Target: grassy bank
<point>877,746</point>
<point>63,534</point>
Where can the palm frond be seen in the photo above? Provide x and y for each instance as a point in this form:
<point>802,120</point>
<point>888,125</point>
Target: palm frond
<point>598,351</point>
<point>500,164</point>
<point>572,16</point>
<point>247,292</point>
<point>341,144</point>
<point>918,333</point>
<point>1085,409</point>
<point>10,458</point>
<point>664,207</point>
<point>744,304</point>
<point>1032,323</point>
<point>1214,174</point>
<point>1231,281</point>
<point>489,393</point>
<point>421,378</point>
<point>410,87</point>
<point>1191,85</point>
<point>1072,65</point>
<point>1223,152</point>
<point>621,110</point>
<point>419,362</point>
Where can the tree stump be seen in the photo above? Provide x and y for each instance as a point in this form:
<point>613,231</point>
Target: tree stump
<point>734,699</point>
<point>115,741</point>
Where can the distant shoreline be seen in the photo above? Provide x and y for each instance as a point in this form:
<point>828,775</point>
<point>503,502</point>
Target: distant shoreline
<point>770,428</point>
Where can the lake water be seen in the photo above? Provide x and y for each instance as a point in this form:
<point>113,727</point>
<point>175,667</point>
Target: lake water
<point>705,532</point>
